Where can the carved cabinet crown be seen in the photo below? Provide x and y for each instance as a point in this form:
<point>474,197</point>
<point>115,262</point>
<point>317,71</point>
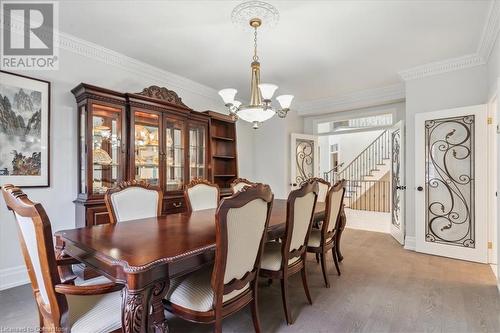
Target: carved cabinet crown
<point>163,94</point>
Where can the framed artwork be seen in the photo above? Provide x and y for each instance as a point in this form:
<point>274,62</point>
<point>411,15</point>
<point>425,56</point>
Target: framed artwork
<point>24,130</point>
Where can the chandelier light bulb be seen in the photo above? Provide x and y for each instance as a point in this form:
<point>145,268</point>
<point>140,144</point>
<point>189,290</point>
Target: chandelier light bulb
<point>285,101</point>
<point>228,95</point>
<point>267,90</point>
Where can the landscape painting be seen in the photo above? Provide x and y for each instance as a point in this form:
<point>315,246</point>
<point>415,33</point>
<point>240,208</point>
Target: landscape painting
<point>24,130</point>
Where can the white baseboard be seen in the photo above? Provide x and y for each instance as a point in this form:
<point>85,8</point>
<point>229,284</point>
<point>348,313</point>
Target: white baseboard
<point>13,277</point>
<point>410,243</point>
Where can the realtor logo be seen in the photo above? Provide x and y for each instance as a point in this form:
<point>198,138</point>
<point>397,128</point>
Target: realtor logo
<point>28,41</point>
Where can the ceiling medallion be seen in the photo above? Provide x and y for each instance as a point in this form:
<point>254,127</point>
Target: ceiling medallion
<point>244,12</point>
<point>260,108</point>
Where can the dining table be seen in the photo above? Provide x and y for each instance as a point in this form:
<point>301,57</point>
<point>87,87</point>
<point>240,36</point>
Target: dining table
<point>145,254</point>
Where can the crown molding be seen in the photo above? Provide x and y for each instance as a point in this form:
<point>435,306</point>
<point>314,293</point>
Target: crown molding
<point>444,66</point>
<point>490,32</point>
<point>480,57</point>
<point>356,100</point>
<point>97,52</point>
<point>107,56</point>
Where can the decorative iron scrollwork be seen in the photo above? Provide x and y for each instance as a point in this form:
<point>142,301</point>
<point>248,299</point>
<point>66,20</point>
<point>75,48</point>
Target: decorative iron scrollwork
<point>304,158</point>
<point>396,166</point>
<point>449,186</point>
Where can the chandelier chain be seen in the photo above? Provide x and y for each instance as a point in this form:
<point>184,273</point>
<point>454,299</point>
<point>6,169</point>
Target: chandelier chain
<point>255,56</point>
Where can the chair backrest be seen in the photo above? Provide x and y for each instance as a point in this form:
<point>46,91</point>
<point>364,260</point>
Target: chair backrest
<point>333,207</point>
<point>323,187</point>
<point>241,225</point>
<point>201,194</point>
<point>35,236</point>
<point>240,183</point>
<point>131,200</point>
<point>299,215</point>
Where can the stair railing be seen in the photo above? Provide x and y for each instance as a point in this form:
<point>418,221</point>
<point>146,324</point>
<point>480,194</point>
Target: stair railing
<point>365,162</point>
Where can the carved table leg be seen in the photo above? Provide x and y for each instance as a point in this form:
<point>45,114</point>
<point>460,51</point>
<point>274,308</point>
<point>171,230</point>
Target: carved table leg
<point>343,221</point>
<point>135,309</point>
<point>159,323</point>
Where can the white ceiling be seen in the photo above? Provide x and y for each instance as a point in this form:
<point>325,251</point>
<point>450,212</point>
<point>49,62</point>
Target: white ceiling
<point>319,49</point>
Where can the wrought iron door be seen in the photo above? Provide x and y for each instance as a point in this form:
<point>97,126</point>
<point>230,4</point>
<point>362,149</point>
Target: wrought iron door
<point>398,182</point>
<point>304,158</point>
<point>451,183</point>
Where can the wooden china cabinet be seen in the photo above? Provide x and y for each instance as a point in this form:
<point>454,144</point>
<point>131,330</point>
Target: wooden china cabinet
<point>151,136</point>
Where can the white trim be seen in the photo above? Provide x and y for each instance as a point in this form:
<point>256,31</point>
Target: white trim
<point>480,57</point>
<point>99,53</point>
<point>13,277</point>
<point>356,100</point>
<point>444,66</point>
<point>410,243</point>
<point>490,31</point>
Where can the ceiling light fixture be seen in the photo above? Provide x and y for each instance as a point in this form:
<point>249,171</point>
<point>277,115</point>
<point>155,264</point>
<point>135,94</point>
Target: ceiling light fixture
<point>260,107</point>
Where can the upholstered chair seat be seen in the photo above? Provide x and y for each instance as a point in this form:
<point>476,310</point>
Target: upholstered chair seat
<point>95,313</point>
<point>213,293</point>
<point>283,259</point>
<point>324,238</point>
<point>271,258</point>
<point>195,293</point>
<point>64,305</point>
<point>315,238</point>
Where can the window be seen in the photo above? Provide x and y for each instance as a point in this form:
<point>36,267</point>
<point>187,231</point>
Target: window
<point>356,123</point>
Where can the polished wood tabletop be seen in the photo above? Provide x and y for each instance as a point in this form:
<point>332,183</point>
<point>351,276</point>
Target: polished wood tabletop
<point>141,243</point>
<point>143,254</point>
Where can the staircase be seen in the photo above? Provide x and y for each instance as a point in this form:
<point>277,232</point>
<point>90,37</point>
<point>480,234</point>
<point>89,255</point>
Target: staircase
<point>367,176</point>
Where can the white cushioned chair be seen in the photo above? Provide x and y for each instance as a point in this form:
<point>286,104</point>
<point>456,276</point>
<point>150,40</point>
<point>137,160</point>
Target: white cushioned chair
<point>213,293</point>
<point>132,200</point>
<point>240,183</point>
<point>325,239</point>
<point>281,260</point>
<point>201,194</point>
<point>62,306</point>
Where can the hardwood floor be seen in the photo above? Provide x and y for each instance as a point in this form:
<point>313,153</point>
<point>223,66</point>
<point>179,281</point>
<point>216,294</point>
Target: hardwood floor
<point>383,288</point>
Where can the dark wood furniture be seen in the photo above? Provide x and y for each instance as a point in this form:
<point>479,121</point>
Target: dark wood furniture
<point>151,136</point>
<point>224,267</point>
<point>238,183</point>
<point>113,218</point>
<point>47,275</point>
<point>293,256</point>
<point>195,182</point>
<point>326,238</point>
<point>223,151</point>
<point>144,254</point>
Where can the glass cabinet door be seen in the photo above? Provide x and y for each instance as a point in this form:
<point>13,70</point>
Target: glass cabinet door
<point>174,154</point>
<point>106,142</point>
<point>147,147</point>
<point>197,151</point>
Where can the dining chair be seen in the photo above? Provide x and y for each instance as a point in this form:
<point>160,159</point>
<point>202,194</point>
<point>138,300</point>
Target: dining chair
<point>132,200</point>
<point>213,293</point>
<point>283,259</point>
<point>239,183</point>
<point>325,239</point>
<point>323,187</point>
<point>201,194</point>
<point>62,305</point>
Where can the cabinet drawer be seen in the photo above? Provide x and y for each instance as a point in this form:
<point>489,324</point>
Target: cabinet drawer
<point>174,205</point>
<point>97,215</point>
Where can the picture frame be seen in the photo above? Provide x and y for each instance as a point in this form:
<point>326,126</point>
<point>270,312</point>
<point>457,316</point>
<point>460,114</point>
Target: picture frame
<point>24,130</point>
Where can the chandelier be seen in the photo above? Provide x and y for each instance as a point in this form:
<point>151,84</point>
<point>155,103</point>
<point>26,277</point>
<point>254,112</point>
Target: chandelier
<point>260,107</point>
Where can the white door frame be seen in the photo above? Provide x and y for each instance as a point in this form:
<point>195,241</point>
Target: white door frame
<point>492,180</point>
<point>480,252</point>
<point>398,233</point>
